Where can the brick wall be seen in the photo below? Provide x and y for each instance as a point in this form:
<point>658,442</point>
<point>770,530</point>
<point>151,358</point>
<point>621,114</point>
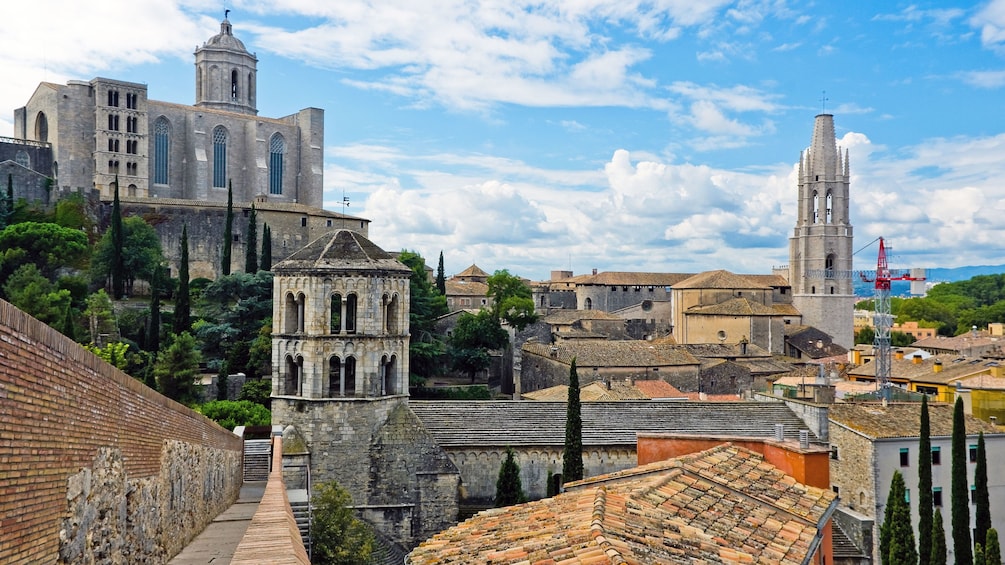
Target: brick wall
<point>90,455</point>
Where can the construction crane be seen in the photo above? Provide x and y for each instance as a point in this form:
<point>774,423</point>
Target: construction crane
<point>883,320</point>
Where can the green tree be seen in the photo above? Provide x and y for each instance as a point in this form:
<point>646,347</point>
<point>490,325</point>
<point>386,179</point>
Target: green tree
<point>232,309</point>
<point>27,289</point>
<point>102,323</point>
<point>266,262</point>
<point>49,247</point>
<point>118,266</point>
<point>925,503</point>
<point>258,391</point>
<point>983,499</point>
<point>232,413</point>
<point>960,493</point>
<point>228,231</point>
<point>182,299</point>
<point>939,550</point>
<point>518,312</point>
<point>140,253</point>
<point>177,368</point>
<point>503,285</point>
<point>153,341</point>
<point>338,537</point>
<point>71,212</point>
<point>509,488</point>
<point>113,353</point>
<point>979,554</point>
<point>896,541</point>
<point>426,305</point>
<point>441,277</point>
<point>251,253</point>
<point>572,455</point>
<point>7,206</point>
<point>992,548</point>
<point>472,338</point>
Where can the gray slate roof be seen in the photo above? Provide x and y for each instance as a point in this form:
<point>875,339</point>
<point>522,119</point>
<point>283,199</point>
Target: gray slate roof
<point>526,423</point>
<point>341,251</point>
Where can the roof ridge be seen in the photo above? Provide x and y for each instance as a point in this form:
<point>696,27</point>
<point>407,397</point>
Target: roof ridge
<point>597,530</point>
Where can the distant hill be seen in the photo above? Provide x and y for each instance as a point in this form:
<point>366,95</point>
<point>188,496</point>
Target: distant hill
<point>934,275</point>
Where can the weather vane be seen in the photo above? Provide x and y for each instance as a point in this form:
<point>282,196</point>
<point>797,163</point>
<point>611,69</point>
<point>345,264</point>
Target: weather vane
<point>226,13</point>
<point>345,205</point>
<point>823,101</point>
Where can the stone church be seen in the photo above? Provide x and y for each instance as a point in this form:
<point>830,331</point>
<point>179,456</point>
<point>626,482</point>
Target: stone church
<point>174,162</point>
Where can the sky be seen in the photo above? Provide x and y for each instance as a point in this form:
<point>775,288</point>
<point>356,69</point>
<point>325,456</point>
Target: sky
<point>617,135</point>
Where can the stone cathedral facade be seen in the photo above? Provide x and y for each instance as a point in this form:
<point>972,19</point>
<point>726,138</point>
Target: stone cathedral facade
<point>820,250</point>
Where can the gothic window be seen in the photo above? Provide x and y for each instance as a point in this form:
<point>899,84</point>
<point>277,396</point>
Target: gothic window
<point>113,122</point>
<point>132,124</point>
<point>829,266</point>
<point>22,158</point>
<point>113,98</point>
<point>233,84</point>
<point>162,143</point>
<point>41,128</point>
<point>830,206</point>
<point>220,157</point>
<point>277,146</point>
<point>350,314</point>
<point>251,88</point>
<point>336,314</point>
<point>816,207</point>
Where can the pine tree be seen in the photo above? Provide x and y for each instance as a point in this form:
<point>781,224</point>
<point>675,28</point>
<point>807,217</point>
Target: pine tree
<point>118,243</point>
<point>938,539</point>
<point>572,456</point>
<point>177,368</point>
<point>251,255</point>
<point>441,277</point>
<point>960,493</point>
<point>266,263</point>
<point>925,504</point>
<point>154,328</point>
<point>182,300</point>
<point>992,548</point>
<point>228,232</point>
<point>509,489</point>
<point>69,329</point>
<point>983,502</point>
<point>896,535</point>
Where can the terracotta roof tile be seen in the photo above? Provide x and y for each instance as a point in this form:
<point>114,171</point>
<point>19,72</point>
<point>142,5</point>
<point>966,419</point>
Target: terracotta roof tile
<point>720,279</point>
<point>901,419</point>
<point>605,353</point>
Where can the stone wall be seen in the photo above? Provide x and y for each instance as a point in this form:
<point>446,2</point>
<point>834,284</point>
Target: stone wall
<point>814,415</point>
<point>96,467</point>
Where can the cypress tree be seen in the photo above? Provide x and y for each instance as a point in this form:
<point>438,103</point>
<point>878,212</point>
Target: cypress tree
<point>960,492</point>
<point>509,489</point>
<point>182,301</point>
<point>572,456</point>
<point>154,328</point>
<point>979,554</point>
<point>118,264</point>
<point>983,510</point>
<point>938,539</point>
<point>441,277</point>
<point>896,535</point>
<point>68,328</point>
<point>925,505</point>
<point>251,255</point>
<point>7,208</point>
<point>266,262</point>
<point>228,231</point>
<point>992,548</point>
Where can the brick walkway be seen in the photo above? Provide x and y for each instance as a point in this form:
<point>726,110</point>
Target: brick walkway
<point>216,544</point>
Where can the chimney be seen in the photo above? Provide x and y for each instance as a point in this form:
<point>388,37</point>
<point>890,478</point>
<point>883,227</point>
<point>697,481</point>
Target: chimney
<point>916,359</point>
<point>937,367</point>
<point>898,355</point>
<point>804,439</point>
<point>594,270</point>
<point>780,432</point>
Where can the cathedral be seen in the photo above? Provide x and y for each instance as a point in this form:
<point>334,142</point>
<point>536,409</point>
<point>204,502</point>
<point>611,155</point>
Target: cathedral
<point>175,162</point>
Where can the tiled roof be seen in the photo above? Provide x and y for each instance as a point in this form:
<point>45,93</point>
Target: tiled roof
<point>783,309</point>
<point>593,392</point>
<point>606,353</point>
<point>723,505</point>
<point>958,343</point>
<point>769,280</point>
<point>720,279</point>
<point>466,288</point>
<point>525,423</point>
<point>658,389</point>
<point>765,366</point>
<point>472,271</point>
<point>570,316</point>
<point>901,419</point>
<point>907,369</point>
<point>724,350</point>
<point>733,307</point>
<point>615,278</point>
<point>339,251</point>
<point>814,343</point>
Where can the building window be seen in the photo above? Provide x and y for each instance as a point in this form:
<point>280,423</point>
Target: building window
<point>937,497</point>
<point>113,166</point>
<point>905,456</point>
<point>277,147</point>
<point>936,455</point>
<point>132,169</point>
<point>162,141</point>
<point>303,222</point>
<point>233,84</point>
<point>834,452</point>
<point>973,494</point>
<point>973,453</point>
<point>328,222</point>
<point>22,158</point>
<point>220,157</point>
<point>113,145</point>
<point>113,98</point>
<point>113,122</point>
<point>836,489</point>
<point>132,146</point>
<point>907,495</point>
<point>130,101</point>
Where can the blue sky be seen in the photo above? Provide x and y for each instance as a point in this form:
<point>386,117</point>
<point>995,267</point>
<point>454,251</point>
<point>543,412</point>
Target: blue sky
<point>617,135</point>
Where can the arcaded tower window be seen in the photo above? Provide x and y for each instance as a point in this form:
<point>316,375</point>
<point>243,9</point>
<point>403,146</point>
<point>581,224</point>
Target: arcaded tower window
<point>220,157</point>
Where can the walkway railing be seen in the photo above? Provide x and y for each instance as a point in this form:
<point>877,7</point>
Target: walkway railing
<point>272,537</point>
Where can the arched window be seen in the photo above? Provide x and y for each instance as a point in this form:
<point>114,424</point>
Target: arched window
<point>349,376</point>
<point>233,84</point>
<point>41,128</point>
<point>277,146</point>
<point>336,314</point>
<point>830,206</point>
<point>589,304</point>
<point>829,266</point>
<point>292,382</point>
<point>220,157</point>
<point>251,88</point>
<point>816,207</point>
<point>335,383</point>
<point>22,158</point>
<point>293,313</point>
<point>391,314</point>
<point>162,145</point>
<point>387,374</point>
<point>350,314</point>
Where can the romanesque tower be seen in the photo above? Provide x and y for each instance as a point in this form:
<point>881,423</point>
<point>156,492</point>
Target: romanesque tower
<point>820,250</point>
<point>226,73</point>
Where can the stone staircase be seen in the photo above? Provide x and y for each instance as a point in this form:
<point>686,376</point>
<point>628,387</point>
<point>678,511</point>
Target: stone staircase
<point>257,453</point>
<point>300,504</point>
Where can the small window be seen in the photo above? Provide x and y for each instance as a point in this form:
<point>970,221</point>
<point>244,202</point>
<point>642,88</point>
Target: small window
<point>834,452</point>
<point>973,453</point>
<point>328,222</point>
<point>937,497</point>
<point>973,494</point>
<point>905,457</point>
<point>303,221</point>
<point>836,489</point>
<point>936,455</point>
<point>907,495</point>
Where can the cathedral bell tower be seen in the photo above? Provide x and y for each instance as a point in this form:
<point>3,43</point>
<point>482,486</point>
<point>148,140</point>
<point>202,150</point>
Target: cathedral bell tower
<point>226,73</point>
<point>820,250</point>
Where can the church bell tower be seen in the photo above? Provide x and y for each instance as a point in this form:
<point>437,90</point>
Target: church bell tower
<point>226,74</point>
<point>820,250</point>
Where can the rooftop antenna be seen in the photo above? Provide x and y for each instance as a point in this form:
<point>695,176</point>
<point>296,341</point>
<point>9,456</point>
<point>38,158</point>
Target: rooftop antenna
<point>823,101</point>
<point>345,205</point>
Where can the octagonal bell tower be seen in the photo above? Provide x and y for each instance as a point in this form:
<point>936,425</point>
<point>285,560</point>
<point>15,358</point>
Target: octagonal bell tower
<point>340,321</point>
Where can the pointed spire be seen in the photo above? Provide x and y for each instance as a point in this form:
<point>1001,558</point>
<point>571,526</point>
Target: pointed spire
<point>823,150</point>
<point>847,166</point>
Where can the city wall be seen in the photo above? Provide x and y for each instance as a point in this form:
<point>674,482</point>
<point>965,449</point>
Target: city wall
<point>94,466</point>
